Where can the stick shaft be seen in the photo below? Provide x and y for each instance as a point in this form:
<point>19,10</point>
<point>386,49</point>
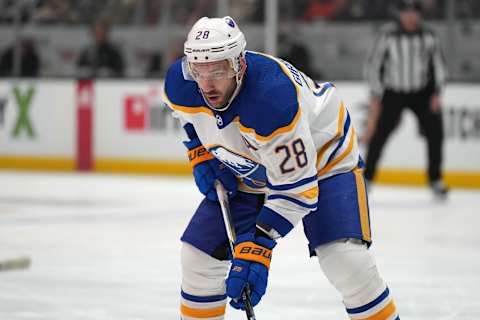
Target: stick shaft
<point>228,221</point>
<point>227,216</point>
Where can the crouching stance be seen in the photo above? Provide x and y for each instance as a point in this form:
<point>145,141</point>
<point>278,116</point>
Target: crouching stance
<point>286,150</point>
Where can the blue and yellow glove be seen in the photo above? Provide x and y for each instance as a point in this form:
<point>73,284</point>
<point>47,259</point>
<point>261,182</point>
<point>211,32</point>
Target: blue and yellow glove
<point>207,169</point>
<point>250,264</point>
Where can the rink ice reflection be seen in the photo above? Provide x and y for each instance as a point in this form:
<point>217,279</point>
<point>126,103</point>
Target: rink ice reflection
<point>106,247</point>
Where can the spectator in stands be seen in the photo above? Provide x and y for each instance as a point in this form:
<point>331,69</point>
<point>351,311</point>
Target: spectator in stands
<point>249,10</point>
<point>153,11</point>
<point>175,51</point>
<point>323,9</point>
<point>155,65</point>
<point>377,9</point>
<point>9,9</point>
<point>297,54</point>
<point>29,60</point>
<point>102,58</point>
<point>54,11</point>
<point>187,12</point>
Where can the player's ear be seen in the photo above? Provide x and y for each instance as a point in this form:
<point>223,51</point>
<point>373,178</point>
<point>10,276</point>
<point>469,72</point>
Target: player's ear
<point>243,65</point>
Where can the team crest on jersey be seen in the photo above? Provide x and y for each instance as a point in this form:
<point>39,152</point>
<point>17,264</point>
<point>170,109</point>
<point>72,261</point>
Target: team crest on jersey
<point>253,173</point>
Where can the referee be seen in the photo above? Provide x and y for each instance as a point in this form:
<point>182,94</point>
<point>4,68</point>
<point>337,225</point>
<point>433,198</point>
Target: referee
<point>406,69</point>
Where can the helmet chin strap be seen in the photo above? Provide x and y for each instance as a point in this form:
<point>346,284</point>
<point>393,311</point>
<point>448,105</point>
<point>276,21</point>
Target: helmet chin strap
<point>238,79</point>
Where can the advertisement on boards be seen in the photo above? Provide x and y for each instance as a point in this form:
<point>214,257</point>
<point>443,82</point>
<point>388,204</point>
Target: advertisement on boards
<point>406,148</point>
<point>131,122</point>
<point>36,118</point>
<point>124,126</point>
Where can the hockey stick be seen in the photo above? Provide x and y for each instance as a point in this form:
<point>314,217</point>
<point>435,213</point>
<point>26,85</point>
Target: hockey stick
<point>227,220</point>
<point>15,264</point>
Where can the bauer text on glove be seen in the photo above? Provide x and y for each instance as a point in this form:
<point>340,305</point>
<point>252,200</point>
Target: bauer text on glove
<point>250,264</point>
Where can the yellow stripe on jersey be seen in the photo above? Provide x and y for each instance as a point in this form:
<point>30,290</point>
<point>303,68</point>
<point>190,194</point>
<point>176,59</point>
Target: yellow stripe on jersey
<point>341,119</point>
<point>202,313</point>
<point>199,109</point>
<point>345,153</point>
<point>311,193</point>
<point>275,133</point>
<point>362,204</point>
<point>192,109</point>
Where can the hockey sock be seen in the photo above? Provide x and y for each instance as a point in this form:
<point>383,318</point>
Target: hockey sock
<point>382,308</point>
<point>205,308</point>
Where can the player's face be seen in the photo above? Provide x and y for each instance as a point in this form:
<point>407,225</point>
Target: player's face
<point>216,80</point>
<point>410,19</point>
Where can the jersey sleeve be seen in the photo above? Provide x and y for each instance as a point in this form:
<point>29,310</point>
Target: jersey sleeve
<point>288,154</point>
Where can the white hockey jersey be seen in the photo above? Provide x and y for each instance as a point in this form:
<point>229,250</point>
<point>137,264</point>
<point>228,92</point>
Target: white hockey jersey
<point>280,135</point>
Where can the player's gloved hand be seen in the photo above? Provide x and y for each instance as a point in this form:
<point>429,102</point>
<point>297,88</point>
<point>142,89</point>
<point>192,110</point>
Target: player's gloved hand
<point>207,169</point>
<point>250,264</point>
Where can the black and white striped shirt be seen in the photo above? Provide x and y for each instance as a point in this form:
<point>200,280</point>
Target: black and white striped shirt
<point>405,62</point>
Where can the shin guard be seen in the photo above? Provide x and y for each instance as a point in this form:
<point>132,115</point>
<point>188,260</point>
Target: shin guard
<point>352,270</point>
<point>203,285</point>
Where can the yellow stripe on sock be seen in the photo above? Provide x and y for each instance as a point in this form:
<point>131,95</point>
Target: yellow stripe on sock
<point>202,313</point>
<point>383,314</point>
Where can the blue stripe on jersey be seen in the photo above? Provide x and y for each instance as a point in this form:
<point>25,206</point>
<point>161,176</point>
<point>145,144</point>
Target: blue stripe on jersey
<point>324,88</point>
<point>342,140</point>
<point>296,201</point>
<point>268,217</point>
<point>371,304</point>
<point>289,186</point>
<point>203,299</point>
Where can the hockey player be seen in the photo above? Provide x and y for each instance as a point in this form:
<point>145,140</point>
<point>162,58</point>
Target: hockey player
<point>285,149</point>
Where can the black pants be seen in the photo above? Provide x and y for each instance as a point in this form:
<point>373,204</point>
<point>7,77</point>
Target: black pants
<point>430,123</point>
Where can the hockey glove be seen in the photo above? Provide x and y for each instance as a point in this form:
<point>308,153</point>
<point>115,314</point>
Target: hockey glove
<point>207,169</point>
<point>250,264</point>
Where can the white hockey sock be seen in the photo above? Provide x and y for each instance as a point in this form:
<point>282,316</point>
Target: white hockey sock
<point>203,285</point>
<point>351,269</point>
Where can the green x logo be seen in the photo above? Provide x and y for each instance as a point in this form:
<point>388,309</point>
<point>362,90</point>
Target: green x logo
<point>23,103</point>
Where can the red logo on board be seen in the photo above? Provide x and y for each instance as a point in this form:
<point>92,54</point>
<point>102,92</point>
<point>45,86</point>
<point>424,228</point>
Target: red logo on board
<point>136,112</point>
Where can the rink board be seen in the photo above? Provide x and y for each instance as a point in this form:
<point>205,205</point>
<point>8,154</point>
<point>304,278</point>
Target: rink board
<point>127,129</point>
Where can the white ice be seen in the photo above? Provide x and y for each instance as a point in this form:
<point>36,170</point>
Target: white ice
<point>107,247</point>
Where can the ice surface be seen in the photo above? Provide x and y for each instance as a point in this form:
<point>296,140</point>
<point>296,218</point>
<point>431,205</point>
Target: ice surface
<point>106,247</point>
